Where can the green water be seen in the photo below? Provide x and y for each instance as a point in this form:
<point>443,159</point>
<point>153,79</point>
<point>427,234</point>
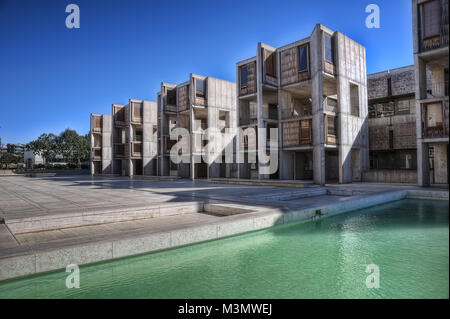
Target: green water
<point>408,240</point>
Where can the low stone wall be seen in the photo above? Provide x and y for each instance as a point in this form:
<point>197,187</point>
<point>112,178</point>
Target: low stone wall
<point>56,172</point>
<point>390,176</point>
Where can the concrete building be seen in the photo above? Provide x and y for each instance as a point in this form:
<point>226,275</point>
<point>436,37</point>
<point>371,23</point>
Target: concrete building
<point>392,127</point>
<point>196,105</point>
<point>15,149</point>
<point>314,92</point>
<point>430,35</point>
<point>125,143</point>
<point>30,159</point>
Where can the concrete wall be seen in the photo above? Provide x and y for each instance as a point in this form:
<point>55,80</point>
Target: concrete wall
<point>390,176</point>
<point>353,130</point>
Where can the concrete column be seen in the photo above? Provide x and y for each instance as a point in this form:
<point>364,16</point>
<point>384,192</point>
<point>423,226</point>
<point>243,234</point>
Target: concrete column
<point>106,144</point>
<point>259,96</point>
<point>317,107</point>
<point>423,172</point>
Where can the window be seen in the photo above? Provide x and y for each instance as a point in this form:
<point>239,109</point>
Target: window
<point>244,76</point>
<point>172,97</point>
<point>200,88</point>
<point>328,48</point>
<point>389,86</point>
<point>431,19</point>
<point>403,106</point>
<point>331,125</point>
<point>270,63</point>
<point>391,139</point>
<point>354,100</point>
<point>137,109</point>
<point>303,58</point>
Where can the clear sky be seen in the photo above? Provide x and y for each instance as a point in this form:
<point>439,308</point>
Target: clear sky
<point>52,77</point>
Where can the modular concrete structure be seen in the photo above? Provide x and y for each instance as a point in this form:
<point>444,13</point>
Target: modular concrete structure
<point>125,143</point>
<point>430,37</point>
<point>205,107</point>
<point>392,126</point>
<point>314,93</point>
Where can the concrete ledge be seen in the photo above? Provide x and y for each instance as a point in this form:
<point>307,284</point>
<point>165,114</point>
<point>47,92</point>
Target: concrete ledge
<point>66,220</point>
<point>253,182</point>
<point>427,194</point>
<point>45,257</point>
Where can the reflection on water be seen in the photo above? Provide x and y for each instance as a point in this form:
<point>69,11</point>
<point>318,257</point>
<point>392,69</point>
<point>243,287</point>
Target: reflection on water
<point>326,258</point>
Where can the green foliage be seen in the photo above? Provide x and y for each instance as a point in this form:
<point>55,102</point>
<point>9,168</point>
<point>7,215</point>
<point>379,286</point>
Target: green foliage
<point>6,159</point>
<point>73,147</point>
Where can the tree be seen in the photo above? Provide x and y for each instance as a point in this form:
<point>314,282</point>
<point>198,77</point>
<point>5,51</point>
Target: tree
<point>45,145</point>
<point>73,147</point>
<point>8,158</point>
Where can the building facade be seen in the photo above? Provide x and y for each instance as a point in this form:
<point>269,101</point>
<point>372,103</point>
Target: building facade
<point>204,108</point>
<point>125,142</point>
<point>392,126</point>
<point>430,38</point>
<point>314,92</point>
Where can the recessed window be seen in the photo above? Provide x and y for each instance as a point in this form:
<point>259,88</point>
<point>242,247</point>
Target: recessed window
<point>172,97</point>
<point>328,48</point>
<point>200,88</point>
<point>244,76</point>
<point>431,19</point>
<point>303,58</point>
<point>270,63</point>
<point>354,100</point>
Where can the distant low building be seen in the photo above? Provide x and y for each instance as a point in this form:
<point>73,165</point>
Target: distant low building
<point>15,148</point>
<point>31,159</point>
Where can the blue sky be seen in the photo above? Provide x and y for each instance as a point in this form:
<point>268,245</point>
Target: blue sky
<point>52,77</point>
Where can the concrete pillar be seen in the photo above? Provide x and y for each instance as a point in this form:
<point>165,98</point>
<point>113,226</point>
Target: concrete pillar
<point>106,144</point>
<point>317,107</point>
<point>260,122</point>
<point>423,172</point>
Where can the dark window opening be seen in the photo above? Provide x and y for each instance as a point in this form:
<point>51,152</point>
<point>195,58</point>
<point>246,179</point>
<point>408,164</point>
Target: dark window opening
<point>244,76</point>
<point>303,58</point>
<point>270,63</point>
<point>328,48</point>
<point>389,86</point>
<point>172,97</point>
<point>391,139</point>
<point>200,88</point>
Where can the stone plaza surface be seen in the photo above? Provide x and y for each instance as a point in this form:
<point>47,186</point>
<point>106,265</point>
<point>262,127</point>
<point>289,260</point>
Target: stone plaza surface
<point>51,222</point>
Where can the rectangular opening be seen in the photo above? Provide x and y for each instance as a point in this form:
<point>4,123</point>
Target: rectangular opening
<point>389,86</point>
<point>431,19</point>
<point>270,63</point>
<point>200,88</point>
<point>391,139</point>
<point>354,99</point>
<point>138,135</point>
<point>305,132</point>
<point>273,112</point>
<point>303,58</point>
<point>172,97</point>
<point>243,76</point>
<point>328,48</point>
